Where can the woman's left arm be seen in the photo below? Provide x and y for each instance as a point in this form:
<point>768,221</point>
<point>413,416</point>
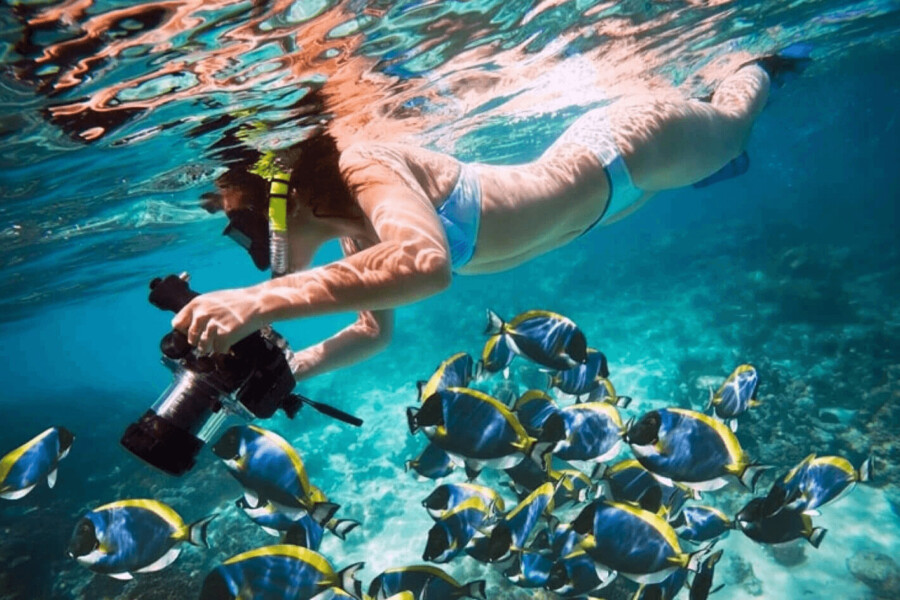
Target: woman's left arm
<point>410,262</point>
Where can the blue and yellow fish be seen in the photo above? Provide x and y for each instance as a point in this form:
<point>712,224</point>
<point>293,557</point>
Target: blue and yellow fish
<point>544,337</point>
<point>636,543</point>
<point>133,536</point>
<point>736,395</point>
<point>479,430</point>
<point>497,354</point>
<point>515,529</point>
<point>533,408</point>
<point>691,448</point>
<point>432,463</point>
<point>529,569</point>
<point>448,496</point>
<point>816,481</point>
<point>423,581</point>
<point>583,378</point>
<point>629,481</point>
<point>667,589</point>
<point>280,572</point>
<point>270,470</point>
<point>593,432</point>
<point>701,586</point>
<point>606,392</point>
<point>456,371</point>
<point>782,526</point>
<point>33,462</point>
<point>302,529</point>
<point>700,524</point>
<point>455,529</point>
<point>578,574</point>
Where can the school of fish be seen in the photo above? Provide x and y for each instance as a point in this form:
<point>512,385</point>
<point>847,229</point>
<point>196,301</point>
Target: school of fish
<point>582,513</point>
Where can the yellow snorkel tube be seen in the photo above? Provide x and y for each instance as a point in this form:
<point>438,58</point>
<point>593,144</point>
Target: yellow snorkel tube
<point>279,255</point>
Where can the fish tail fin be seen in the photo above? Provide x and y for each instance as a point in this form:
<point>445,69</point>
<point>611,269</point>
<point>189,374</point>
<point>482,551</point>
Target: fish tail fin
<point>712,399</point>
<point>348,581</point>
<point>494,325</point>
<point>751,474</point>
<point>479,371</point>
<point>322,512</point>
<point>411,412</point>
<point>816,536</point>
<point>695,559</point>
<point>867,469</point>
<point>341,527</point>
<point>474,589</point>
<point>598,471</point>
<point>196,531</point>
<point>419,385</point>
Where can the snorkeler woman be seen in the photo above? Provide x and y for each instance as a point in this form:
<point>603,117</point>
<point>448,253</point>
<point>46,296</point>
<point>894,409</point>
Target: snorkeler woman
<point>409,218</point>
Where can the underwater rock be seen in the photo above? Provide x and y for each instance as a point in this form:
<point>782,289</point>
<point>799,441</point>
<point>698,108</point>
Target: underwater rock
<point>789,555</point>
<point>878,571</point>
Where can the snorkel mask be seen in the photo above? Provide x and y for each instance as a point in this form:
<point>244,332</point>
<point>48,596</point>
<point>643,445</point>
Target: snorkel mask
<point>251,230</point>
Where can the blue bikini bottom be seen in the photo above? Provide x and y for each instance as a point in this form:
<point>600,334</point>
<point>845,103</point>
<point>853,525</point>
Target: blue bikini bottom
<point>460,215</point>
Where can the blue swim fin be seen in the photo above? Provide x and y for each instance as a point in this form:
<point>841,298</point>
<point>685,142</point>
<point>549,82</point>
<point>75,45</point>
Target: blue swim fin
<point>786,64</point>
<point>737,166</point>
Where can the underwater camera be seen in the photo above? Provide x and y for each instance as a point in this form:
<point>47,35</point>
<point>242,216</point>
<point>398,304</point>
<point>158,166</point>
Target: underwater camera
<point>252,380</point>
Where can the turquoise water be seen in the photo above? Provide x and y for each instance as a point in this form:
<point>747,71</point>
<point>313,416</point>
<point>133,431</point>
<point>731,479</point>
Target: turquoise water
<point>792,267</point>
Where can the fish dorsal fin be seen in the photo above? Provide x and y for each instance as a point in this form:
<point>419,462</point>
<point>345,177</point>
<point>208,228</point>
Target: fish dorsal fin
<point>164,561</point>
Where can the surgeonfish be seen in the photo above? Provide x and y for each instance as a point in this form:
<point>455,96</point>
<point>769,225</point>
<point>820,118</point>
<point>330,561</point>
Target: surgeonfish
<point>577,574</point>
<point>700,524</point>
<point>785,525</point>
<point>423,581</point>
<point>736,395</point>
<point>629,481</point>
<point>497,354</point>
<point>456,371</point>
<point>280,572</point>
<point>593,432</point>
<point>515,529</point>
<point>638,544</point>
<point>691,448</point>
<point>448,496</point>
<point>544,337</point>
<point>529,569</point>
<point>533,408</point>
<point>583,378</point>
<point>133,536</point>
<point>606,392</point>
<point>701,586</point>
<point>816,481</point>
<point>451,533</point>
<point>479,430</point>
<point>433,463</point>
<point>667,589</point>
<point>305,531</point>
<point>32,462</point>
<point>270,470</point>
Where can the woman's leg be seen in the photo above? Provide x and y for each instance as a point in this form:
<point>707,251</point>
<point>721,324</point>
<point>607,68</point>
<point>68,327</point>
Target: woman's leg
<point>670,144</point>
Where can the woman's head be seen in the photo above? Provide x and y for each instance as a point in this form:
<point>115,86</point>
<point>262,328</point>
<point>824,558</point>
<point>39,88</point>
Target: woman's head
<point>316,190</point>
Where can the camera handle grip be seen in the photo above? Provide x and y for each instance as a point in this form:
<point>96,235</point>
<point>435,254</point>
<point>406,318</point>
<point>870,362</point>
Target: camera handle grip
<point>327,409</point>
